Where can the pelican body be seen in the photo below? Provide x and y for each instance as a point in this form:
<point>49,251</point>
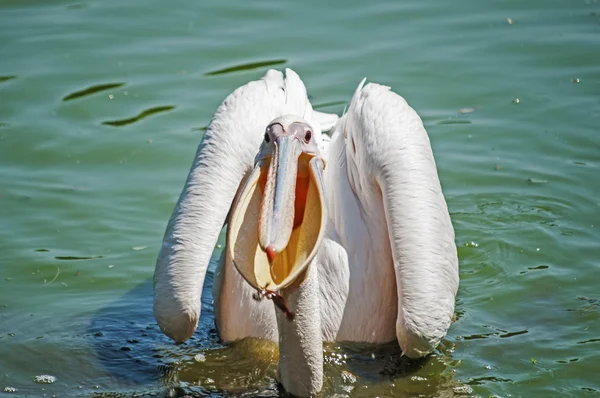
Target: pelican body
<point>340,237</point>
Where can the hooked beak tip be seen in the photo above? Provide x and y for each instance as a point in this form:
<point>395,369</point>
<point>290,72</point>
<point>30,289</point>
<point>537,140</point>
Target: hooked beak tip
<point>271,253</point>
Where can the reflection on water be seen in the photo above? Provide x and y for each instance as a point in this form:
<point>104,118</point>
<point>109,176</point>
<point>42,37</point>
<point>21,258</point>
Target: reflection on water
<point>248,66</point>
<point>92,90</point>
<point>139,116</point>
<point>6,78</point>
<point>134,351</point>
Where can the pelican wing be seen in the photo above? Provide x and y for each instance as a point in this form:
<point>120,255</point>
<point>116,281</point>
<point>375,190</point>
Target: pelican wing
<point>395,158</point>
<point>225,155</point>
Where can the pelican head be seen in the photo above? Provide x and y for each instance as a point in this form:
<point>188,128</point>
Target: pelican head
<point>278,217</point>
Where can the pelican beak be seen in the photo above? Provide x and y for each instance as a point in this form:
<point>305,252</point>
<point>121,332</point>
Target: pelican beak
<point>278,217</point>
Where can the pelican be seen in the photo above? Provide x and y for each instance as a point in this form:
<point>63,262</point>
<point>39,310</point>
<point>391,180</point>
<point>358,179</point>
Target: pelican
<point>339,237</point>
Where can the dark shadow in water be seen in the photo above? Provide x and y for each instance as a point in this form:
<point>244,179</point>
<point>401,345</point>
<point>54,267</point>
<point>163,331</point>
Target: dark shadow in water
<point>7,78</point>
<point>125,335</point>
<point>136,354</point>
<point>71,258</point>
<point>454,121</point>
<point>77,6</point>
<point>511,334</point>
<point>91,90</point>
<point>140,116</point>
<point>479,336</point>
<point>248,66</point>
<point>488,379</point>
<point>589,341</point>
<point>141,361</point>
<point>499,332</point>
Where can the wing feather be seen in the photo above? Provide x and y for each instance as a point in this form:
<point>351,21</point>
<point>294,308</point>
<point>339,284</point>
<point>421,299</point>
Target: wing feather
<point>394,154</point>
<point>223,158</point>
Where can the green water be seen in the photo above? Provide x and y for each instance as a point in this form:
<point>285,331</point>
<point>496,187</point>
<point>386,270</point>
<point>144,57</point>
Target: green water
<point>102,105</point>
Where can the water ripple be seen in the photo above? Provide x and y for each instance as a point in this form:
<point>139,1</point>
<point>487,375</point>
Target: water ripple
<point>589,341</point>
<point>480,380</point>
<point>92,90</point>
<point>535,268</point>
<point>248,66</point>
<point>454,121</point>
<point>511,334</point>
<point>140,116</point>
<point>69,258</point>
<point>479,336</point>
<point>6,78</point>
<point>328,104</point>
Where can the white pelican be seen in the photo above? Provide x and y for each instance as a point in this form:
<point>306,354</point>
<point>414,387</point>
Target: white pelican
<point>349,236</point>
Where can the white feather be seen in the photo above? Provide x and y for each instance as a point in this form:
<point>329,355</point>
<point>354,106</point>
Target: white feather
<point>387,267</point>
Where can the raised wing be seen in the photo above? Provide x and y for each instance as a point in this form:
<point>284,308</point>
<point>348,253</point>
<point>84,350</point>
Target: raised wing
<point>393,161</point>
<point>224,157</point>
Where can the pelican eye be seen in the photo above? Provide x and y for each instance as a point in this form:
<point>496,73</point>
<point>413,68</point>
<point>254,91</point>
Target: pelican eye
<point>308,136</point>
<point>267,138</point>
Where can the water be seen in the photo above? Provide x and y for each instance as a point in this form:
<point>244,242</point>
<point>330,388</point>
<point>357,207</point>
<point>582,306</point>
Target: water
<point>102,104</point>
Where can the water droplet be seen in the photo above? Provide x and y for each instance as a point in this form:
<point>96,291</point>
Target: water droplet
<point>576,80</point>
<point>466,110</point>
<point>536,181</point>
<point>516,101</point>
<point>509,20</point>
<point>348,377</point>
<point>200,358</point>
<point>463,389</point>
<point>44,379</point>
<point>10,389</point>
